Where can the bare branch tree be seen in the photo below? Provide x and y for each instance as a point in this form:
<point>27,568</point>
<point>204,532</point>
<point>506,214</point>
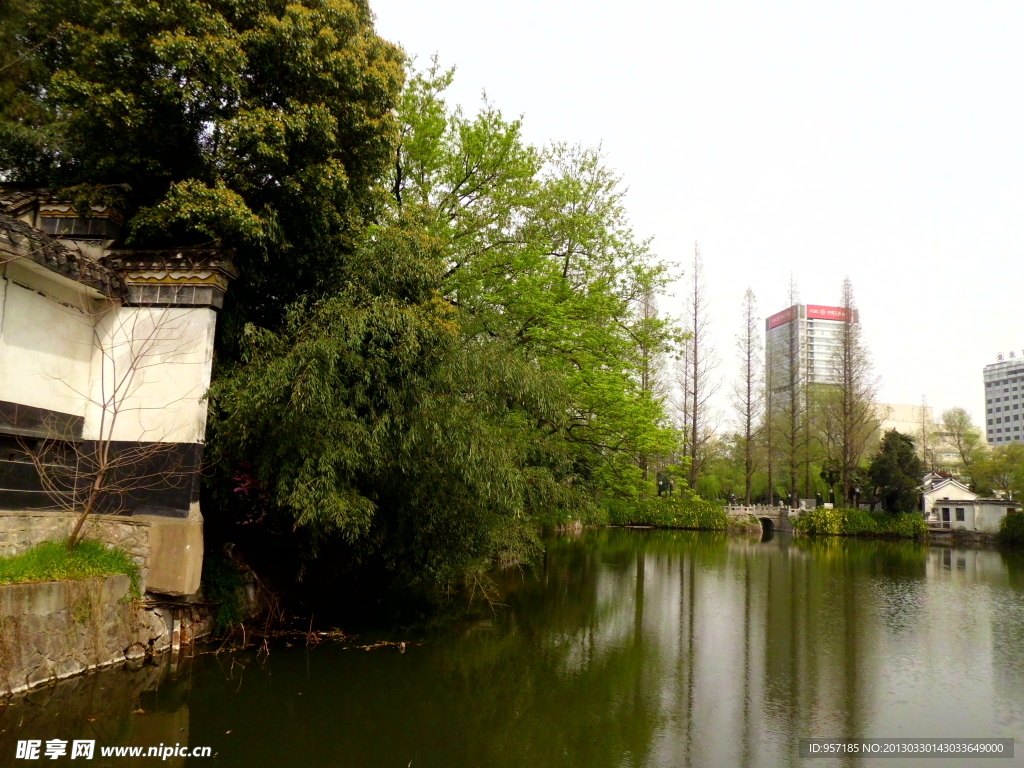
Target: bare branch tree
<point>696,373</point>
<point>790,403</point>
<point>747,395</point>
<point>106,471</point>
<point>853,421</point>
<point>650,362</point>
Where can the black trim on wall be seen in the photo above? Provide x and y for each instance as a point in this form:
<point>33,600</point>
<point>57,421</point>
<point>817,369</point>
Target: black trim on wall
<point>29,421</point>
<point>162,479</point>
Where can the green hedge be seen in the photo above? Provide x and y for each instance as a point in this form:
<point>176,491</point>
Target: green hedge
<point>668,512</point>
<point>857,522</point>
<point>1011,531</point>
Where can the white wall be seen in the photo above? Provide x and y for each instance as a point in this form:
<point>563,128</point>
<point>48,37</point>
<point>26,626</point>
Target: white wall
<point>46,341</point>
<point>151,367</point>
<point>133,373</point>
<point>989,516</point>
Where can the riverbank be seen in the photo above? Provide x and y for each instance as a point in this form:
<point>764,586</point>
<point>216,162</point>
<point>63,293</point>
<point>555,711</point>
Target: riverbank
<point>697,514</point>
<point>677,512</point>
<point>52,630</point>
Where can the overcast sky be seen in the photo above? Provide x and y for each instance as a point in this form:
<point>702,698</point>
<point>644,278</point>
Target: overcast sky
<point>879,140</point>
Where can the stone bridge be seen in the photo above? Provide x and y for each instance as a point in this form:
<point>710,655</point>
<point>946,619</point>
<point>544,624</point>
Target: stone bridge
<point>771,518</point>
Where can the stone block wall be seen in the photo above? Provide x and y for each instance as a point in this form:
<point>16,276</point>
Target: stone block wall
<point>53,630</point>
<point>22,530</point>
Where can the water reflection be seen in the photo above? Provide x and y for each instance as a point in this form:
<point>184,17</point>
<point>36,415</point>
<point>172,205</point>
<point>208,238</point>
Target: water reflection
<point>630,648</point>
<point>131,705</point>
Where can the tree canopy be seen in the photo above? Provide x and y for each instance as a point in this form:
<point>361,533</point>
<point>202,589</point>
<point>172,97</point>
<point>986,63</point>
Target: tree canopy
<point>263,127</point>
<point>896,472</point>
<point>440,332</point>
<point>479,368</point>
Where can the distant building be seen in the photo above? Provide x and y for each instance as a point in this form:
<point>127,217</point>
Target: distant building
<point>918,421</point>
<point>801,343</point>
<point>1004,382</point>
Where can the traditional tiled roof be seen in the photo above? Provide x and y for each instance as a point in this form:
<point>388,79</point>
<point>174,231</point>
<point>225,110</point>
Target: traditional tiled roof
<point>20,241</point>
<point>171,259</point>
<point>14,201</point>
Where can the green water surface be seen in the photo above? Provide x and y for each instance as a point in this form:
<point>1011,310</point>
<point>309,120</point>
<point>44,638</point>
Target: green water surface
<point>625,648</point>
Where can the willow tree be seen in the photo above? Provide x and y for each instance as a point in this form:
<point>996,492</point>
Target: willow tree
<point>476,369</point>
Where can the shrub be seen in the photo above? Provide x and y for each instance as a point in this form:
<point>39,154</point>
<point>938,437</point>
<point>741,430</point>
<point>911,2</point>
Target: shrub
<point>222,585</point>
<point>51,561</point>
<point>857,522</point>
<point>1011,531</point>
<point>668,512</point>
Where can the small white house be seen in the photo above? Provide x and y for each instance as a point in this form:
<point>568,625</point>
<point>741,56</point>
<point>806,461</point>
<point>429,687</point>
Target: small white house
<point>949,504</point>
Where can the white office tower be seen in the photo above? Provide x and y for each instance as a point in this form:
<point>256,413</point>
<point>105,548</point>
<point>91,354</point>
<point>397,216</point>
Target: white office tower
<point>801,343</point>
<point>1004,382</point>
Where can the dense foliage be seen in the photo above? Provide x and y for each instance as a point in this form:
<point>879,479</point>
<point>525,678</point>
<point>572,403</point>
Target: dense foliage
<point>262,126</point>
<point>896,473</point>
<point>677,511</point>
<point>857,522</point>
<point>222,585</point>
<point>475,370</point>
<point>437,336</point>
<point>51,561</point>
<point>1011,530</point>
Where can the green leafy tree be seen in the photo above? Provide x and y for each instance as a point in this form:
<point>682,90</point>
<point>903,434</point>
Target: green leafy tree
<point>1001,471</point>
<point>541,255</point>
<point>482,367</point>
<point>896,472</point>
<point>965,438</point>
<point>261,126</point>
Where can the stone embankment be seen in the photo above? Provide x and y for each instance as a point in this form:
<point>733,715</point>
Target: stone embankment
<point>53,630</point>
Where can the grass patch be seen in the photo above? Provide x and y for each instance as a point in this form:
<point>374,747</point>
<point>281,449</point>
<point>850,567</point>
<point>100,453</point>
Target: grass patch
<point>1011,531</point>
<point>668,512</point>
<point>857,522</point>
<point>51,561</point>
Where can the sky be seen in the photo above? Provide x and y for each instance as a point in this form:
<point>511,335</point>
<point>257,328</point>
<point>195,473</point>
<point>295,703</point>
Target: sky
<point>883,141</point>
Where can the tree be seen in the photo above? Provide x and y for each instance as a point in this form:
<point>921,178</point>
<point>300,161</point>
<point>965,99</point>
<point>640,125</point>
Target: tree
<point>789,400</point>
<point>848,404</point>
<point>965,438</point>
<point>896,472</point>
<point>488,362</point>
<point>1001,471</point>
<point>748,397</point>
<point>263,126</point>
<point>696,373</point>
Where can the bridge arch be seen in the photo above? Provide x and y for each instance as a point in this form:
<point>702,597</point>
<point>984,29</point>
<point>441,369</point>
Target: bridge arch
<point>767,525</point>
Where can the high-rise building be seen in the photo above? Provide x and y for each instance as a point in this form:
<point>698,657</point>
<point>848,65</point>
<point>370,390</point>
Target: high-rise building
<point>801,343</point>
<point>1004,382</point>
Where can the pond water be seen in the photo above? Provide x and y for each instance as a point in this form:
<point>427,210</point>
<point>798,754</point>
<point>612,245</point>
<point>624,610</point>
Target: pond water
<point>626,648</point>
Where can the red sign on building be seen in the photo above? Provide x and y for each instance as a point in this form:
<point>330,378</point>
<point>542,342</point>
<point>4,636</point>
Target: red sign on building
<point>818,312</point>
<point>782,317</point>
